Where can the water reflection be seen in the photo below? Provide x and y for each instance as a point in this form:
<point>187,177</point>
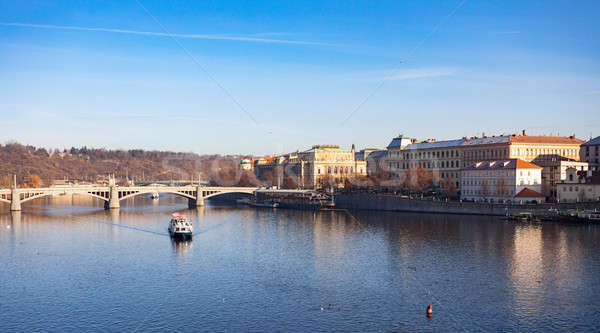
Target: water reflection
<point>182,247</point>
<point>276,266</point>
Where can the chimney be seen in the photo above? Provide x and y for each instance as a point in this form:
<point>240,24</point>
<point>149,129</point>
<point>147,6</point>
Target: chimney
<point>524,132</point>
<point>483,135</point>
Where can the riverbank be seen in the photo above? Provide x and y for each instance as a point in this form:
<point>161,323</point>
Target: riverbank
<point>388,202</point>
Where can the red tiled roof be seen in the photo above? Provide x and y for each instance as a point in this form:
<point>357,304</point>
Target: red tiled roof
<point>529,193</point>
<point>526,165</point>
<point>546,139</point>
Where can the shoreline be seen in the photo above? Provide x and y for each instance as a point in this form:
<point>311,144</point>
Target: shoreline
<point>386,202</point>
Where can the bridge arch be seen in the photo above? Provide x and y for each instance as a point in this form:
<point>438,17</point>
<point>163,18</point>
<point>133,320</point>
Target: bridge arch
<point>210,195</point>
<point>46,194</point>
<point>182,194</point>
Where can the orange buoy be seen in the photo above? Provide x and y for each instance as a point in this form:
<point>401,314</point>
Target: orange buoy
<point>429,310</point>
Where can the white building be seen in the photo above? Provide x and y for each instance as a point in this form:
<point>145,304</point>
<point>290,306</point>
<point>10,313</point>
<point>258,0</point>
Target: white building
<point>440,158</point>
<point>590,152</point>
<point>502,180</point>
<point>579,186</point>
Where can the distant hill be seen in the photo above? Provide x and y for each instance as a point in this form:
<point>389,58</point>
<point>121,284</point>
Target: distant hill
<point>93,164</point>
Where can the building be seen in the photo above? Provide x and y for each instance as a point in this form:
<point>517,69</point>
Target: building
<point>590,153</point>
<point>376,163</point>
<point>502,180</point>
<point>441,158</point>
<point>374,158</point>
<point>546,151</point>
<point>246,164</point>
<point>579,186</point>
<point>312,168</point>
<point>444,159</point>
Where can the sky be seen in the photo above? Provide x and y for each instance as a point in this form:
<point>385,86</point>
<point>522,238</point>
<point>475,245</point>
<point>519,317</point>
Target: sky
<point>264,77</point>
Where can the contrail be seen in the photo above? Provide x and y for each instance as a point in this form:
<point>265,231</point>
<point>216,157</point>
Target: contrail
<point>162,34</point>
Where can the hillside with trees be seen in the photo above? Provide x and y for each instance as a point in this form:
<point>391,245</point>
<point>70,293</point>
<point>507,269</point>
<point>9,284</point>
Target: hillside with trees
<point>36,167</point>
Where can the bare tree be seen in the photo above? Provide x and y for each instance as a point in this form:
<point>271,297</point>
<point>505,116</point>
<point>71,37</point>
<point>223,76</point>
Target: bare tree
<point>5,181</point>
<point>485,188</point>
<point>449,187</point>
<point>289,182</point>
<point>502,188</point>
<point>33,180</point>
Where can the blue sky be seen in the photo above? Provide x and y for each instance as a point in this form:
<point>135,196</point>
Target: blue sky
<point>103,73</point>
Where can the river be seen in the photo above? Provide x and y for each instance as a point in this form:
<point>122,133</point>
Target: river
<point>71,266</point>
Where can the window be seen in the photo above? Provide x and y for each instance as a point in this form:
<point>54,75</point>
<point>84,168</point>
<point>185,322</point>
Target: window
<point>319,171</point>
<point>329,169</point>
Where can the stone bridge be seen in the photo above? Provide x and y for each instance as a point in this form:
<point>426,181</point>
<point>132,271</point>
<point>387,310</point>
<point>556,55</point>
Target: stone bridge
<point>112,195</point>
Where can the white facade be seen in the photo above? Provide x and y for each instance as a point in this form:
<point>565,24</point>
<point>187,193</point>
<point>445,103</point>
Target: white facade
<point>440,158</point>
<point>575,188</point>
<point>497,181</point>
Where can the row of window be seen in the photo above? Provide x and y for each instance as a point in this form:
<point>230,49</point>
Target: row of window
<point>480,192</point>
<point>486,153</point>
<point>546,151</point>
<point>428,165</point>
<point>426,154</point>
<point>576,189</point>
<point>341,170</point>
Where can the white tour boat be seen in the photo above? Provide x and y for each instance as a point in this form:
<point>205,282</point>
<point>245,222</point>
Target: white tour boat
<point>180,226</point>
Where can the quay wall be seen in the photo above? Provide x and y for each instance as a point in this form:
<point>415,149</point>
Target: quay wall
<point>388,202</point>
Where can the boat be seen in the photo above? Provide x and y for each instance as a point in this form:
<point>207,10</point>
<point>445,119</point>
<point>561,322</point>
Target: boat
<point>154,195</point>
<point>268,204</point>
<point>180,227</point>
<point>295,199</point>
<point>522,216</point>
<point>243,201</point>
<point>253,202</point>
<point>592,216</point>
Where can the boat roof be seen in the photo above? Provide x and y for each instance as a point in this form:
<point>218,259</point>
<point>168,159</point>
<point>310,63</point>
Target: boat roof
<point>179,216</point>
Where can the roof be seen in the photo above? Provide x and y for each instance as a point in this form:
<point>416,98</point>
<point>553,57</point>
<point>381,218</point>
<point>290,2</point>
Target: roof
<point>378,154</point>
<point>593,142</point>
<point>539,139</point>
<point>569,140</point>
<point>435,144</point>
<point>529,193</point>
<point>513,163</point>
<point>397,141</point>
<point>486,140</point>
<point>329,150</point>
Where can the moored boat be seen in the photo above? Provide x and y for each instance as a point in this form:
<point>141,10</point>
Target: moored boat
<point>181,227</point>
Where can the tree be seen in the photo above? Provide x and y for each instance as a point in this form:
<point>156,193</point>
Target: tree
<point>502,188</point>
<point>449,187</point>
<point>290,183</point>
<point>5,181</point>
<point>267,178</point>
<point>417,179</point>
<point>325,182</point>
<point>424,179</point>
<point>33,180</point>
<point>485,189</point>
<point>244,180</point>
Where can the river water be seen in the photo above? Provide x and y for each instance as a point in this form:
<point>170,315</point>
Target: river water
<point>79,268</point>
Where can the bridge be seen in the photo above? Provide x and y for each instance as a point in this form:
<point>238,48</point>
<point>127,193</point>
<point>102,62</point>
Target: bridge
<point>112,195</point>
